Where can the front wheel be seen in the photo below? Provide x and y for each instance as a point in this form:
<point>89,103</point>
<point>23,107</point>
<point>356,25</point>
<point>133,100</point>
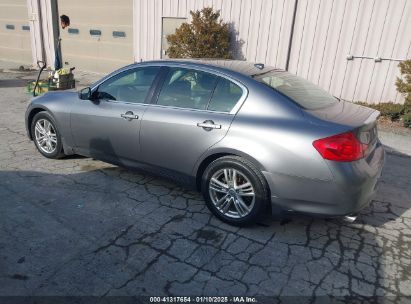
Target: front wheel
<point>46,136</point>
<point>234,190</point>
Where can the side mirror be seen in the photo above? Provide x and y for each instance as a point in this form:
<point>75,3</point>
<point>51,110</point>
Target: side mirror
<point>85,94</point>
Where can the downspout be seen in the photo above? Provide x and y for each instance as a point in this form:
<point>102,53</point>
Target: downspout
<point>56,32</point>
<point>290,42</point>
<point>42,42</point>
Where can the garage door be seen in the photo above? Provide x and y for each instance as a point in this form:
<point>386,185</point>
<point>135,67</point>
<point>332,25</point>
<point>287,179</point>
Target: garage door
<point>100,37</point>
<point>15,31</point>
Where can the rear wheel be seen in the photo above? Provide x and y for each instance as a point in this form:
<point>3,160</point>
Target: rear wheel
<point>46,136</point>
<point>234,190</point>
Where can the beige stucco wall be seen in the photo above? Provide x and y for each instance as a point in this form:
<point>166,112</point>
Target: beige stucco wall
<point>14,43</point>
<point>98,54</point>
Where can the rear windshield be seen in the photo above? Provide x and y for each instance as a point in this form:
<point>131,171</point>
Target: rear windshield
<point>301,91</point>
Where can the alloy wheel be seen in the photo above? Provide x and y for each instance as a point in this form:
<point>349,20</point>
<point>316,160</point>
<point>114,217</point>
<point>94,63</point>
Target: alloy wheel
<point>46,136</point>
<point>232,193</point>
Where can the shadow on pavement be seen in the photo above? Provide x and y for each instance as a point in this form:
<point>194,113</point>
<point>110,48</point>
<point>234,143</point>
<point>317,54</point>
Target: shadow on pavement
<point>13,83</point>
<point>115,232</point>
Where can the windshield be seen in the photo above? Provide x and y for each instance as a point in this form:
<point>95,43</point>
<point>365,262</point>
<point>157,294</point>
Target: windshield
<point>303,92</point>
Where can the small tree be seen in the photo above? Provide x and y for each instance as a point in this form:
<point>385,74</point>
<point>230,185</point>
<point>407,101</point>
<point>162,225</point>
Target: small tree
<point>404,83</point>
<point>206,36</point>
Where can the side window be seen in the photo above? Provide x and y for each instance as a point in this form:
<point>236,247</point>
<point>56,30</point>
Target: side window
<point>225,97</point>
<point>185,88</point>
<point>129,86</point>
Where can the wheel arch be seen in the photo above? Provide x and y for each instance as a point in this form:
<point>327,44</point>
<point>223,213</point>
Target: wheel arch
<point>30,117</point>
<point>29,120</point>
<point>213,155</point>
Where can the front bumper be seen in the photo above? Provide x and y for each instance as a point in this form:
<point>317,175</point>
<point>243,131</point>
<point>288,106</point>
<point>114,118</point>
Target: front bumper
<point>352,188</point>
<point>26,122</point>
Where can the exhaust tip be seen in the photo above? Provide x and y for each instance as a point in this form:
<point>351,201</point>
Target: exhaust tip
<point>350,218</point>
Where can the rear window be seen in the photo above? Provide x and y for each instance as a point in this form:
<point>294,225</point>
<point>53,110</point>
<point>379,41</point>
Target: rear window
<point>301,91</point>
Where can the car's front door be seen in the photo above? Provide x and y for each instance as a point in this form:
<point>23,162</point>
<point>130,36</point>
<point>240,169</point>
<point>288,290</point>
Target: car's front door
<point>107,127</point>
<point>192,112</point>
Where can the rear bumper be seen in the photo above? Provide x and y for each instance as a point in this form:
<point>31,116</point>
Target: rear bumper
<point>353,186</point>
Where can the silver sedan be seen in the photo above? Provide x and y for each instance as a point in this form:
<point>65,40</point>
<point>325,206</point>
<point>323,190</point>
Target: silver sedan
<point>253,139</point>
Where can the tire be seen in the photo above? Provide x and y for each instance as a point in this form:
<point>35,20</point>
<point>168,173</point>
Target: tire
<point>235,205</point>
<point>47,137</point>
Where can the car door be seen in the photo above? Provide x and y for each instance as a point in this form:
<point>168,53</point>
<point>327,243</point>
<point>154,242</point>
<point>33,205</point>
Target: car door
<point>192,111</point>
<point>107,127</point>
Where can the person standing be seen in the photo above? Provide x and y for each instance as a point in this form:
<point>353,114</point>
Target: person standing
<point>64,22</point>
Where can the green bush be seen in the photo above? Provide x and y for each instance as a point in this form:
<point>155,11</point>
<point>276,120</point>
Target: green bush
<point>390,110</point>
<point>404,83</point>
<point>206,36</point>
<point>406,120</point>
<point>404,87</point>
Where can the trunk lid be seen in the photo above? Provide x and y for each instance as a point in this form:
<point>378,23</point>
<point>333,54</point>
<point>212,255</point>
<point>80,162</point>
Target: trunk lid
<point>344,113</point>
<point>361,120</point>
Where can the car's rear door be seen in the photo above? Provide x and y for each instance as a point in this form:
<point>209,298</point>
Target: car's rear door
<point>108,126</point>
<point>191,112</point>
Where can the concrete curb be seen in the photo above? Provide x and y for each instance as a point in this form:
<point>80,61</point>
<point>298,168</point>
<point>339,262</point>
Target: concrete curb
<point>395,142</point>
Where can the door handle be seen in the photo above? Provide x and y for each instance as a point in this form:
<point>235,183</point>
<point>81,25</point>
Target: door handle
<point>208,125</point>
<point>129,115</point>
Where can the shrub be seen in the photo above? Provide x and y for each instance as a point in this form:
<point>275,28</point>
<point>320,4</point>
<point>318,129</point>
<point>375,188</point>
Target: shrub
<point>390,110</point>
<point>406,120</point>
<point>206,36</point>
<point>404,83</point>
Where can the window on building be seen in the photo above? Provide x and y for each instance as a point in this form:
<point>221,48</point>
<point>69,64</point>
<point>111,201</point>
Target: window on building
<point>73,31</point>
<point>119,34</point>
<point>95,32</point>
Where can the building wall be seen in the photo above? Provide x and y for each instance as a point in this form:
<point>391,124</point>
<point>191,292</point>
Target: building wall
<point>14,31</point>
<point>98,53</point>
<point>325,33</point>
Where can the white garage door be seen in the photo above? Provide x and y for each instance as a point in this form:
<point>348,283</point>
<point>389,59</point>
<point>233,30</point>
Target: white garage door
<point>15,31</point>
<point>100,36</point>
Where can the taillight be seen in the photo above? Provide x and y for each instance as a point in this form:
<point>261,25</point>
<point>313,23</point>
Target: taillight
<point>343,147</point>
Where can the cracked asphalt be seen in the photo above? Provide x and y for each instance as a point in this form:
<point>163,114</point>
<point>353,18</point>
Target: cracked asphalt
<point>78,226</point>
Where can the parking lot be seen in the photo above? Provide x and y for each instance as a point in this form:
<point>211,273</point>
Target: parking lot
<point>78,226</point>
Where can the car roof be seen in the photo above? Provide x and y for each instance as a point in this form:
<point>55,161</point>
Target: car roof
<point>240,66</point>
